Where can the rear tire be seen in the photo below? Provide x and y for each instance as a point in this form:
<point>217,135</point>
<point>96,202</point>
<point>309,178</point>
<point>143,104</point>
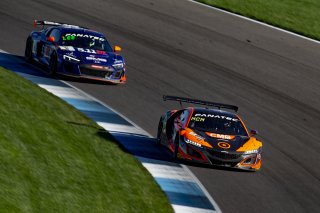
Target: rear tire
<point>28,51</point>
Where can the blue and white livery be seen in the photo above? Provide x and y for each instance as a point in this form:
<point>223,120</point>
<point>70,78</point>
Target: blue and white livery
<point>75,51</point>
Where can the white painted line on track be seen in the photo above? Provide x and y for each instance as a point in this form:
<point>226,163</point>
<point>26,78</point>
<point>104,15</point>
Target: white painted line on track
<point>64,92</point>
<point>179,208</point>
<point>165,171</point>
<point>118,128</point>
<point>183,189</point>
<point>255,21</point>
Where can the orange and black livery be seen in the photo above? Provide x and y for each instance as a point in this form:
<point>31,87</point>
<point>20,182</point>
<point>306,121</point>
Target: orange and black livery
<point>209,135</point>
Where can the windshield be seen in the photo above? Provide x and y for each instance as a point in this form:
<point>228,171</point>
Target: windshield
<point>86,41</point>
<point>219,124</point>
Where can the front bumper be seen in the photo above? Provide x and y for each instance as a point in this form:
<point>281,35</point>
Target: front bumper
<point>238,160</point>
<point>93,72</point>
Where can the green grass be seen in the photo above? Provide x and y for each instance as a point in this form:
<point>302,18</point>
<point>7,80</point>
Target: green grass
<point>54,159</point>
<point>300,16</point>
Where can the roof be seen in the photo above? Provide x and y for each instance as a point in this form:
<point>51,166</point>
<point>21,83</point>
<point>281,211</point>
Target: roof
<point>80,30</point>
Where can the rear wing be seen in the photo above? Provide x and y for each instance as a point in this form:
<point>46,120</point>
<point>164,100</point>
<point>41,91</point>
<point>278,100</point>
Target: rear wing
<point>200,102</point>
<point>51,23</point>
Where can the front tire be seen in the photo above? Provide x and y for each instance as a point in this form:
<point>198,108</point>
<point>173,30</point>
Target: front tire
<point>159,133</point>
<point>28,51</point>
<point>53,64</point>
<point>176,149</point>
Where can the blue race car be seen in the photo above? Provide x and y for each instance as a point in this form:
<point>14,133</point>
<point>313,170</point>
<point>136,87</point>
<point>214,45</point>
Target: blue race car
<point>75,51</point>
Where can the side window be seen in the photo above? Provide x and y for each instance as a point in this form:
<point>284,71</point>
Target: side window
<point>56,34</point>
<point>184,117</point>
<point>48,31</point>
<point>181,120</point>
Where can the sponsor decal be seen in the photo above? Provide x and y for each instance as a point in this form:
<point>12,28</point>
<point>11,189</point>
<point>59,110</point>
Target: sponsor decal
<point>224,145</point>
<point>86,50</point>
<point>216,116</point>
<point>118,62</point>
<point>73,36</point>
<point>193,143</point>
<point>100,52</point>
<point>221,136</point>
<point>67,48</point>
<point>198,119</point>
<point>198,137</point>
<point>70,54</point>
<point>68,38</point>
<point>96,60</point>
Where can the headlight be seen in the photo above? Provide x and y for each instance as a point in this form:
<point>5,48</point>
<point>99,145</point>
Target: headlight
<point>192,142</point>
<point>253,151</point>
<point>118,66</point>
<point>70,59</point>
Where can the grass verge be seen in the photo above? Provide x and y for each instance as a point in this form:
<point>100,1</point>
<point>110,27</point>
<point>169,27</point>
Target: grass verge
<point>299,16</point>
<point>54,159</point>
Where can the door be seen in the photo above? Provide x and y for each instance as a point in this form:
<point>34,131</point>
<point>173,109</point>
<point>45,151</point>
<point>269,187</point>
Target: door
<point>49,46</point>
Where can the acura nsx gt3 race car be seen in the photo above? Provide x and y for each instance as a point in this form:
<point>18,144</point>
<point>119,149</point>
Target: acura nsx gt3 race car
<point>210,136</point>
<point>75,51</point>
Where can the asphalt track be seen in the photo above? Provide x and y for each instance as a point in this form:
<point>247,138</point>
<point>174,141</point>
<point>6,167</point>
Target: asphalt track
<point>180,48</point>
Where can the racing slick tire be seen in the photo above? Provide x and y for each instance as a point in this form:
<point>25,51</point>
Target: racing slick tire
<point>176,148</point>
<point>53,65</point>
<point>28,51</point>
<point>158,140</point>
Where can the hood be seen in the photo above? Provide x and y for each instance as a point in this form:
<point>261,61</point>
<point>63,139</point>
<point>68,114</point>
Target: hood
<point>91,56</point>
<point>230,143</point>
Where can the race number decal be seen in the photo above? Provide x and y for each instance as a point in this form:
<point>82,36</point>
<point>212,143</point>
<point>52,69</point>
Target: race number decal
<point>86,50</point>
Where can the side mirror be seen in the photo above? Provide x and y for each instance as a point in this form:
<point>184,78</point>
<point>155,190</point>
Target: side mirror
<point>117,49</point>
<point>182,131</point>
<point>253,132</point>
<point>50,39</point>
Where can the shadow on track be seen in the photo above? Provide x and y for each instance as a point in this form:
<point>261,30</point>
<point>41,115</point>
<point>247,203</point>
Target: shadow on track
<point>18,64</point>
<point>82,80</point>
<point>143,146</point>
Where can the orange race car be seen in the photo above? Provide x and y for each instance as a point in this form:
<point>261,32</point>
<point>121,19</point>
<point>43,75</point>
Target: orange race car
<point>210,136</point>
